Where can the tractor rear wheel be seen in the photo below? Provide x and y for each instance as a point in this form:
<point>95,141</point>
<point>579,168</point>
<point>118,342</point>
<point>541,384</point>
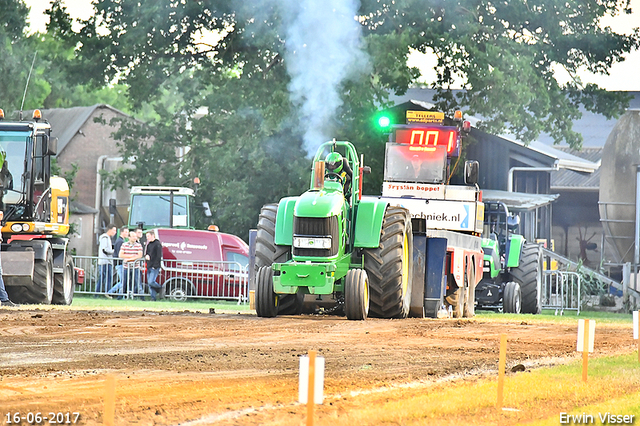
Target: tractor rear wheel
<point>64,285</point>
<point>42,289</point>
<point>356,294</point>
<point>267,253</point>
<point>529,275</point>
<point>389,266</point>
<point>266,299</point>
<point>511,298</point>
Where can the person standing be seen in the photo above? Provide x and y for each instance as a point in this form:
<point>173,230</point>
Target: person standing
<point>4,297</point>
<point>105,260</point>
<point>131,255</point>
<point>124,236</point>
<point>153,256</point>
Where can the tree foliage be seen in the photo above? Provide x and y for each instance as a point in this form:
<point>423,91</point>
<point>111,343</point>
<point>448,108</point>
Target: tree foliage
<point>230,58</point>
<point>54,81</point>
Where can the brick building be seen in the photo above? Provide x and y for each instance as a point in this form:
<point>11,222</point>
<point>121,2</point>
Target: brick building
<point>85,139</point>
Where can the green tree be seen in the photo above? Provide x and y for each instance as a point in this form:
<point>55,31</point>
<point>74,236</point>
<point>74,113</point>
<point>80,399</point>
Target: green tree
<point>231,58</point>
<point>506,52</point>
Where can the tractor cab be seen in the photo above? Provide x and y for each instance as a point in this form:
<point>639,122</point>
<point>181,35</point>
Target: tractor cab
<point>499,226</point>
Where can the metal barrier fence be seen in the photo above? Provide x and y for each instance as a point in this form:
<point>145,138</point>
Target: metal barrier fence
<point>561,291</point>
<point>180,280</point>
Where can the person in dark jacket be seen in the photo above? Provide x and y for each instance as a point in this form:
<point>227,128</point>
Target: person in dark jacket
<point>153,256</point>
<point>4,297</point>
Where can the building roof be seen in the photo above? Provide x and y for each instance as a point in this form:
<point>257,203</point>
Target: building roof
<point>568,179</point>
<point>518,201</point>
<point>77,207</point>
<point>66,122</point>
<point>594,128</point>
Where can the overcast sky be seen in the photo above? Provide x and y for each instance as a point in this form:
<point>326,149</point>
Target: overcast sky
<point>624,76</point>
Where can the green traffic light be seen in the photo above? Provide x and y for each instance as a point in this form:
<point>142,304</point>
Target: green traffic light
<point>384,121</point>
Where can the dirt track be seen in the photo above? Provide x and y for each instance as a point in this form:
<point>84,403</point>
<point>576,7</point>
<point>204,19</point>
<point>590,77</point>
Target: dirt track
<point>173,368</point>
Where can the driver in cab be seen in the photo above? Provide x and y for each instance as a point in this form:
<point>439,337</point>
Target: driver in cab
<point>335,163</point>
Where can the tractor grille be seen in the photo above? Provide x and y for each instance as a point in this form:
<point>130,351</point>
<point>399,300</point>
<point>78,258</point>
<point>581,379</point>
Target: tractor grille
<point>317,227</point>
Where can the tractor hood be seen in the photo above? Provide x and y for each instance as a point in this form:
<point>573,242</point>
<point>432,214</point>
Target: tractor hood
<point>326,202</point>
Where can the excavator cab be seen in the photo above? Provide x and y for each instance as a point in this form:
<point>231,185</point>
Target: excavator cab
<point>37,265</point>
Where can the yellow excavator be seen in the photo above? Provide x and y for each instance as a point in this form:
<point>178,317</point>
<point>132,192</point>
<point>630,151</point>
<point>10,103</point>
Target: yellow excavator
<point>37,266</point>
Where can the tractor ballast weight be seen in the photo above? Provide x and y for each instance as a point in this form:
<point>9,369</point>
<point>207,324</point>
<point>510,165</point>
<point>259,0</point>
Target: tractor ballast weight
<point>330,243</point>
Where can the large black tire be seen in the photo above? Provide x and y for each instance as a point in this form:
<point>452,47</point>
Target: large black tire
<point>266,299</point>
<point>511,298</point>
<point>356,294</point>
<point>42,289</point>
<point>389,266</point>
<point>529,275</point>
<point>64,284</point>
<point>267,253</point>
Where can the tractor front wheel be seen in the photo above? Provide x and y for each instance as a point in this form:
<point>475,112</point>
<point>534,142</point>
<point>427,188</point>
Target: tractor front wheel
<point>511,298</point>
<point>356,294</point>
<point>267,253</point>
<point>266,299</point>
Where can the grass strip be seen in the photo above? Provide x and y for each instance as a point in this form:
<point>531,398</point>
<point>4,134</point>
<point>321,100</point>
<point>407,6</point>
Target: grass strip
<point>535,397</point>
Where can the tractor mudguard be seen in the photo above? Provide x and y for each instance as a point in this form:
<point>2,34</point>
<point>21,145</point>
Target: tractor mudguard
<point>369,219</point>
<point>492,256</point>
<point>514,248</point>
<point>284,221</point>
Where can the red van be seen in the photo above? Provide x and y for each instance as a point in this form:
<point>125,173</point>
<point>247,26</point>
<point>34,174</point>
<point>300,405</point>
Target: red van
<point>205,264</point>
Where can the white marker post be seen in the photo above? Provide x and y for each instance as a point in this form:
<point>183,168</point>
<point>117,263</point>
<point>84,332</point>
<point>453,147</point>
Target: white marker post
<point>636,328</point>
<point>311,382</point>
<point>586,338</point>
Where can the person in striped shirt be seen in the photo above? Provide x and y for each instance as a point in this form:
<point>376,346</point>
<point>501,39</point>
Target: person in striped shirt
<point>131,255</point>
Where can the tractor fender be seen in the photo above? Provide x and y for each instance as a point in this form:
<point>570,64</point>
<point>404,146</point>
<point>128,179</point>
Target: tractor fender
<point>40,247</point>
<point>514,248</point>
<point>284,221</point>
<point>369,217</point>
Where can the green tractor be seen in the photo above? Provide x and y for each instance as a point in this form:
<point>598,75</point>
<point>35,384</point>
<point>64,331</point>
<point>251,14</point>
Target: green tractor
<point>512,277</point>
<point>352,253</point>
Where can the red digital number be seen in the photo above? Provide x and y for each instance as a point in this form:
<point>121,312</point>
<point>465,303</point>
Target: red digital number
<point>428,139</point>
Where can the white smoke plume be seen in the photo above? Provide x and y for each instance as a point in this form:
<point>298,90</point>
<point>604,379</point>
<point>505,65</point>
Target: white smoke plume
<point>323,49</point>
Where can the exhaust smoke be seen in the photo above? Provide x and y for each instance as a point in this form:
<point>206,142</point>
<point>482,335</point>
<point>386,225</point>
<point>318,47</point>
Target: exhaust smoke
<point>323,49</point>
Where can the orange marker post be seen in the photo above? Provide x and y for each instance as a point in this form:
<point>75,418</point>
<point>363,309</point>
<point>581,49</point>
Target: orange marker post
<point>636,330</point>
<point>585,352</point>
<point>501,367</point>
<point>110,400</point>
<point>586,333</point>
<point>311,388</point>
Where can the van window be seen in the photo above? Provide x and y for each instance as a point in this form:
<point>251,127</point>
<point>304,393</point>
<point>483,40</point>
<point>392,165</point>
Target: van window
<point>237,257</point>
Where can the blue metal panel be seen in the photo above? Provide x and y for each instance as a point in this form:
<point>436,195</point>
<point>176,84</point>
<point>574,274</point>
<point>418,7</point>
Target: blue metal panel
<point>419,270</point>
<point>435,283</point>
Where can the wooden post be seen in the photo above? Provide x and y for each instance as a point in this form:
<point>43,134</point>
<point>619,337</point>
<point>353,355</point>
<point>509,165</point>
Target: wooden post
<point>501,367</point>
<point>311,388</point>
<point>110,400</point>
<point>585,351</point>
<point>636,330</point>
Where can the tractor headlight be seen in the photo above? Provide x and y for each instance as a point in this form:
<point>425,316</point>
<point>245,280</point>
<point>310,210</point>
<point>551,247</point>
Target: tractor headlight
<point>312,242</point>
